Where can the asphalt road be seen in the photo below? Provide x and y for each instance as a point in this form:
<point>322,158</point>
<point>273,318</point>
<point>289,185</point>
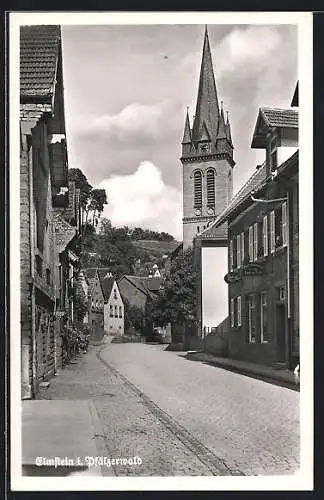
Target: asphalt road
<point>234,424</point>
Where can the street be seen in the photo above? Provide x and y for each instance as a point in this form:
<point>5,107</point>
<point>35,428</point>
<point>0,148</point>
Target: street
<point>183,417</point>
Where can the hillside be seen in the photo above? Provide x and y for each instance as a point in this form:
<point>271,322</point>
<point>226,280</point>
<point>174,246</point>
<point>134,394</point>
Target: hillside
<point>156,249</point>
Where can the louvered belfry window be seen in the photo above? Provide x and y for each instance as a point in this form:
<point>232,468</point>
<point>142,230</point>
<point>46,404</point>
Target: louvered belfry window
<point>197,189</point>
<point>210,188</point>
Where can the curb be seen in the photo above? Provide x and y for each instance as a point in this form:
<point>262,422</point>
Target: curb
<point>100,442</point>
<point>269,378</point>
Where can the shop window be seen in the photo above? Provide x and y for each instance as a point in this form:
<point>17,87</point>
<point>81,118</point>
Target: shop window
<point>264,317</point>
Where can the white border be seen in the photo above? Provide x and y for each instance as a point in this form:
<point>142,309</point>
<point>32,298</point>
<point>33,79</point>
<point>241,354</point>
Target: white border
<point>303,480</point>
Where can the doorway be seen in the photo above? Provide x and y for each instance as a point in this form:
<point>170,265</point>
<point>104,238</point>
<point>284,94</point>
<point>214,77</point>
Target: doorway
<point>281,331</point>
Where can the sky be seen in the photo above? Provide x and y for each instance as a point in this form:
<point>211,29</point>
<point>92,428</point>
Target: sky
<point>126,92</point>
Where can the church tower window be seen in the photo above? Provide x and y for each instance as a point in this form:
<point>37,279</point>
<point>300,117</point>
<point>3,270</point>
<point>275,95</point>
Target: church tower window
<point>210,188</point>
<point>197,189</point>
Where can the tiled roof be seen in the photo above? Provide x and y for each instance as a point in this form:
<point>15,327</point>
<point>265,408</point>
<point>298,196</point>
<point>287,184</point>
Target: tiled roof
<point>106,285</point>
<point>214,232</point>
<point>152,284</point>
<point>64,233</point>
<point>90,272</point>
<point>276,117</point>
<point>39,49</point>
<point>146,285</point>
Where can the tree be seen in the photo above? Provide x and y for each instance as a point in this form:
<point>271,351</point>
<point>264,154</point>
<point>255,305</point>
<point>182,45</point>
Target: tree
<point>176,303</point>
<point>81,182</point>
<point>98,199</point>
<point>134,318</point>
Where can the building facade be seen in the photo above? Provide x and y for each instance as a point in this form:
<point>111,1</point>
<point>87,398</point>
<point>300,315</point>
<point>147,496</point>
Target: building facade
<point>43,187</point>
<point>96,308</point>
<point>263,269</point>
<point>113,308</point>
<point>207,156</point>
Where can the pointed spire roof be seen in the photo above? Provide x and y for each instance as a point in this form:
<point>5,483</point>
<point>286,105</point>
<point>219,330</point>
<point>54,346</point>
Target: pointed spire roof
<point>207,109</point>
<point>221,126</point>
<point>228,130</point>
<point>187,132</point>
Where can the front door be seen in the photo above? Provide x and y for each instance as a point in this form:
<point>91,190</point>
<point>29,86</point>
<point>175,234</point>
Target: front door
<point>281,332</point>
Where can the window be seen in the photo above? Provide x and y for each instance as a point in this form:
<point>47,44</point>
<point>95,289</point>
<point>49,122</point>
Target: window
<point>48,276</point>
<point>120,312</point>
<point>252,318</point>
<point>264,317</point>
<point>242,248</point>
<point>281,293</point>
<point>198,229</point>
<point>231,256</point>
<point>238,250</point>
<point>251,243</point>
<point>265,235</point>
<point>116,312</point>
<point>255,241</point>
<point>197,189</point>
<point>239,311</point>
<point>232,313</point>
<point>111,311</point>
<point>272,232</point>
<point>210,188</point>
<point>115,294</point>
<point>284,224</point>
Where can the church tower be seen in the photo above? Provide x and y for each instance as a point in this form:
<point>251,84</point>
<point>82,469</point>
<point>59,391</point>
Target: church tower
<point>207,156</point>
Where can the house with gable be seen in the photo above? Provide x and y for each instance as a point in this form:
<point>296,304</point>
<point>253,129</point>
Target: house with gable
<point>43,188</point>
<point>113,307</point>
<point>263,263</point>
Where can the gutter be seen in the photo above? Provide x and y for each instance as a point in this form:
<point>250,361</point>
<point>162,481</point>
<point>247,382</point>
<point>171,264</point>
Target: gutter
<point>32,272</point>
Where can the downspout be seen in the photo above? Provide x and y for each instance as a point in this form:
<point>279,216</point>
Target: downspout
<point>32,272</point>
<point>288,281</point>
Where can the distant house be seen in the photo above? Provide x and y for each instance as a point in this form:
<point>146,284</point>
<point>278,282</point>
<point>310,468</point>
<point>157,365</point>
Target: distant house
<point>113,307</point>
<point>96,319</point>
<point>138,291</point>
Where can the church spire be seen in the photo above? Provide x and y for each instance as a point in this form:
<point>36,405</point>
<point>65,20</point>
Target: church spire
<point>207,110</point>
<point>221,126</point>
<point>187,132</point>
<point>228,130</point>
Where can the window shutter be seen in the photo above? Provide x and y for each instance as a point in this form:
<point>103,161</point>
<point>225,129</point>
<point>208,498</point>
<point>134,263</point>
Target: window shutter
<point>231,255</point>
<point>250,243</point>
<point>238,250</point>
<point>265,235</point>
<point>242,248</point>
<point>272,231</point>
<point>210,188</point>
<point>232,313</point>
<point>239,311</point>
<point>284,223</point>
<point>255,241</point>
<point>197,189</point>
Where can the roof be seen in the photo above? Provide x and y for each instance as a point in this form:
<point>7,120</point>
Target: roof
<point>214,232</point>
<point>254,183</point>
<point>294,101</point>
<point>90,272</point>
<point>39,51</point>
<point>273,117</point>
<point>64,233</point>
<point>106,285</point>
<point>145,285</point>
<point>276,117</point>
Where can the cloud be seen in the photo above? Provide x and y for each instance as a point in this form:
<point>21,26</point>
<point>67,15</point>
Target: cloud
<point>143,199</point>
<point>135,122</point>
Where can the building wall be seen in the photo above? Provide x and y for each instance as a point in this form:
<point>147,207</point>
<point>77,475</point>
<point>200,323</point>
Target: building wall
<point>214,288</point>
<point>223,193</point>
<point>274,276</point>
<point>97,309</point>
<point>114,324</point>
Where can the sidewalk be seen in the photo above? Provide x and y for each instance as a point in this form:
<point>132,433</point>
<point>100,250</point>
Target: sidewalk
<point>267,373</point>
<point>65,431</point>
